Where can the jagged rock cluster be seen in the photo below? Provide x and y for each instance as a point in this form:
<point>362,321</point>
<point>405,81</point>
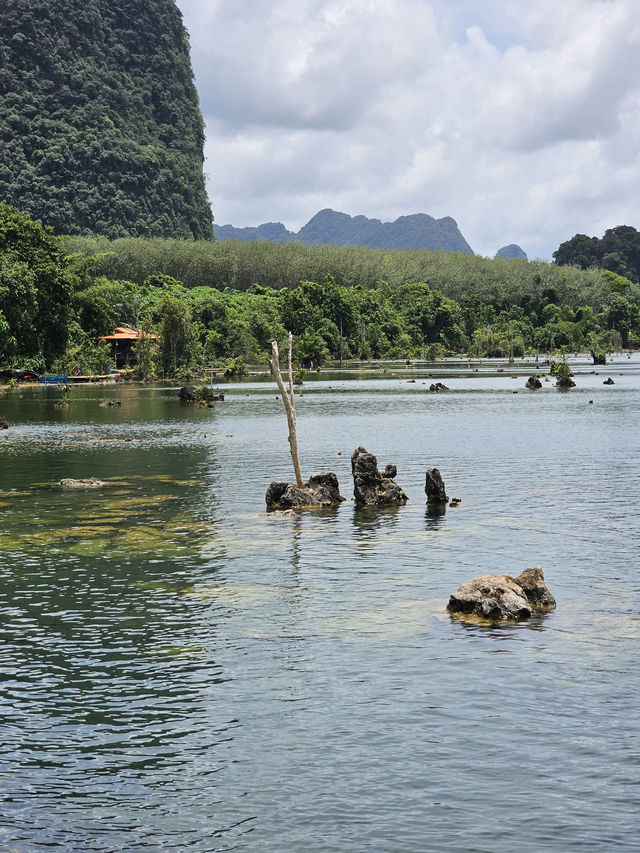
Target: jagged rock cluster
<point>319,490</point>
<point>370,487</point>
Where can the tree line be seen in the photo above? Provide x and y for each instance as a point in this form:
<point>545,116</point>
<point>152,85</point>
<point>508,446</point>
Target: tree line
<point>222,304</point>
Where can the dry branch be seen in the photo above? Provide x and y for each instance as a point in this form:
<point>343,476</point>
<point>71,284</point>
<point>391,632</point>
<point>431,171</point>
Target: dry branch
<point>289,403</point>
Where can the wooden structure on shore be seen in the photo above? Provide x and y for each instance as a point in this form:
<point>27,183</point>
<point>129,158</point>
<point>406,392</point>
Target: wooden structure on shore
<point>122,341</point>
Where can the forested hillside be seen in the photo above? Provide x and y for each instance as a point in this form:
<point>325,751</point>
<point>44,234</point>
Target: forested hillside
<point>100,125</point>
<point>618,250</point>
<point>214,303</point>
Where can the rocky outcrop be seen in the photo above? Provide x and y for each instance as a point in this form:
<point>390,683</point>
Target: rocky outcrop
<point>370,487</point>
<point>187,394</point>
<point>91,483</point>
<point>437,387</point>
<point>499,597</point>
<point>533,382</point>
<point>512,251</point>
<point>434,487</point>
<point>531,581</point>
<point>319,490</point>
<point>201,395</point>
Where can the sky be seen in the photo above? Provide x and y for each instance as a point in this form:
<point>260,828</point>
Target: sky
<point>518,118</point>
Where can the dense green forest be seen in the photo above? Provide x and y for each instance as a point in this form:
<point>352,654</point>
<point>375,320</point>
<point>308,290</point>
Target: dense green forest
<point>223,303</point>
<point>618,251</point>
<point>101,130</point>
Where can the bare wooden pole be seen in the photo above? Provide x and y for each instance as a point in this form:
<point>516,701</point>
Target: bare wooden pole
<point>289,404</point>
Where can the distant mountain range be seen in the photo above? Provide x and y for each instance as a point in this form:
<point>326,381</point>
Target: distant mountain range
<point>418,231</point>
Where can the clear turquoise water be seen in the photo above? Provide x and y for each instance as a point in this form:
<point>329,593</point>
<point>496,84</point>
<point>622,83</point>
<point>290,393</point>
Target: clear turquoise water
<point>182,672</point>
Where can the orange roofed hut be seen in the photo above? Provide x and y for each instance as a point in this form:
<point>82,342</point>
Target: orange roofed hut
<point>122,341</point>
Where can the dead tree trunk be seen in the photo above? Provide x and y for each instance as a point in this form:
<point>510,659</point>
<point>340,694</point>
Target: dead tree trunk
<point>289,403</point>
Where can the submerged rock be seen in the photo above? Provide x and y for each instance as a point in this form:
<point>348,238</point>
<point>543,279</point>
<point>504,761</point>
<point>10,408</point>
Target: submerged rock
<point>437,387</point>
<point>106,403</point>
<point>4,424</point>
<point>533,382</point>
<point>319,490</point>
<point>91,483</point>
<point>609,381</point>
<point>370,487</point>
<point>498,597</point>
<point>434,487</point>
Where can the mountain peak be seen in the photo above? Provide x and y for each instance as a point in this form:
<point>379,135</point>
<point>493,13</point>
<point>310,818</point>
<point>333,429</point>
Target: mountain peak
<point>331,227</point>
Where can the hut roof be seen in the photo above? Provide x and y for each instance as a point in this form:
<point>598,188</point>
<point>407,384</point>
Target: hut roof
<point>122,333</point>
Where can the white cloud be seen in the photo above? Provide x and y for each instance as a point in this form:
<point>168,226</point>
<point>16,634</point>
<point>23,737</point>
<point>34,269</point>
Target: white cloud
<point>519,119</point>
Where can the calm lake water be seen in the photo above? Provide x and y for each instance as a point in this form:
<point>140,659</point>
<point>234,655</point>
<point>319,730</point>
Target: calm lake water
<point>183,672</point>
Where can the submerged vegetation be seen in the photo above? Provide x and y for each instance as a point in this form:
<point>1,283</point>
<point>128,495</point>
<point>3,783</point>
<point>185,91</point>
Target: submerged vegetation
<point>208,305</point>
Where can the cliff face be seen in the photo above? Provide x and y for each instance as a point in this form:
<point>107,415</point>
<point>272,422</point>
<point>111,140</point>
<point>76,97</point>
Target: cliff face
<point>417,231</point>
<point>100,124</point>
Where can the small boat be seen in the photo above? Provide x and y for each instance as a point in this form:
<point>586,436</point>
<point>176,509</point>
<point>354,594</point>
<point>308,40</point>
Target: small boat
<point>20,375</point>
<point>103,377</point>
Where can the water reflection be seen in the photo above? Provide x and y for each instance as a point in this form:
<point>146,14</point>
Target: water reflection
<point>435,515</point>
<point>368,521</point>
<point>183,672</point>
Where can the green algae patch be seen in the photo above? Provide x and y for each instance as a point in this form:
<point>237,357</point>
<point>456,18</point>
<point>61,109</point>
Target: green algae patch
<point>237,595</point>
<point>159,586</point>
<point>167,479</point>
<point>401,618</point>
<point>174,652</point>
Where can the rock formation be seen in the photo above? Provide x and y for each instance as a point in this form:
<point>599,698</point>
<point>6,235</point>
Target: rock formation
<point>437,387</point>
<point>91,483</point>
<point>533,382</point>
<point>370,487</point>
<point>434,487</point>
<point>498,597</point>
<point>319,490</point>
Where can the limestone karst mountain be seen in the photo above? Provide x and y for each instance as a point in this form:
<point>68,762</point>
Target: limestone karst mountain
<point>100,123</point>
<point>417,231</point>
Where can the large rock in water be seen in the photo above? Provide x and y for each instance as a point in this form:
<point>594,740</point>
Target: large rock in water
<point>319,490</point>
<point>370,487</point>
<point>498,597</point>
<point>434,487</point>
